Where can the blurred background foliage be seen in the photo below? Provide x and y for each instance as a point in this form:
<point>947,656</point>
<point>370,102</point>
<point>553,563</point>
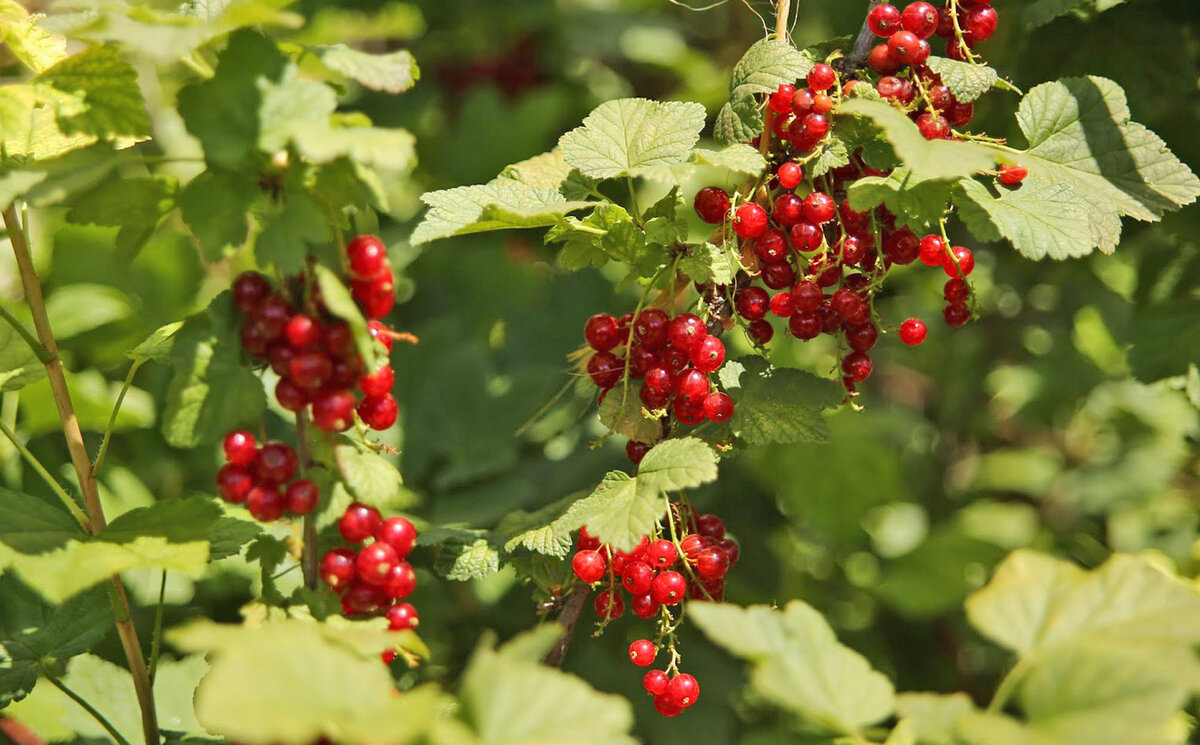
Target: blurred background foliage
<point>1065,418</point>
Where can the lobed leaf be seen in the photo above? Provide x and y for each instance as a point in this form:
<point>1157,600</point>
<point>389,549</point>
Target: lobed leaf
<point>631,136</point>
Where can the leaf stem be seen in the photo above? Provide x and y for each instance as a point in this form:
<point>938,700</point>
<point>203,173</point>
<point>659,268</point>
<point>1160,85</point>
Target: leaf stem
<point>156,639</point>
<point>37,466</point>
<point>83,470</point>
<point>309,561</point>
<point>112,419</point>
<point>43,356</point>
<point>1008,686</point>
<point>107,725</point>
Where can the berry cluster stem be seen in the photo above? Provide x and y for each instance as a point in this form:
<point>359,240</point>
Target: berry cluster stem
<point>862,44</point>
<point>568,619</point>
<point>309,556</point>
<point>83,467</point>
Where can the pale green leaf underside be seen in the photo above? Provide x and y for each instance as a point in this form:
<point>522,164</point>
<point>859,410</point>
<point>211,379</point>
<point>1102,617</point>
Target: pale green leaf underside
<point>1040,219</point>
<point>501,205</point>
<point>926,159</point>
<point>394,72</point>
<point>966,81</point>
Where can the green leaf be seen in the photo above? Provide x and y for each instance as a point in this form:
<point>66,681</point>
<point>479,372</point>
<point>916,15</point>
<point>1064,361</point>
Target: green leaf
<point>158,345</point>
<point>214,206</point>
<point>289,104</point>
<point>212,391</point>
<point>630,136</point>
<point>934,717</point>
<point>339,302</point>
<point>19,366</point>
<point>78,308</point>
<point>621,411</point>
<point>926,159</point>
<point>227,536</point>
<point>739,158</point>
<point>464,209</point>
<point>618,512</point>
<point>112,101</point>
<point>681,463</point>
<point>32,526</point>
<point>917,204</point>
<point>462,561</point>
<point>832,154</point>
<point>311,680</point>
<point>966,81</point>
<point>136,205</point>
<point>739,121</point>
<point>509,697</point>
<point>768,64</point>
<point>269,552</point>
<point>777,404</point>
<point>1080,134</point>
<point>799,663</point>
<point>288,230</point>
<point>1040,219</point>
<point>375,147</point>
<point>50,182</point>
<point>1167,339</point>
<point>1035,603</point>
<point>177,520</point>
<point>32,632</point>
<point>370,477</point>
<point>223,111</point>
<point>1041,12</point>
<point>707,262</point>
<point>394,72</point>
<point>29,42</point>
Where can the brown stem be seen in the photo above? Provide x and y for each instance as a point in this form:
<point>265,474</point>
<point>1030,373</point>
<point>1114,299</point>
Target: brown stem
<point>568,619</point>
<point>783,10</point>
<point>83,467</point>
<point>862,44</point>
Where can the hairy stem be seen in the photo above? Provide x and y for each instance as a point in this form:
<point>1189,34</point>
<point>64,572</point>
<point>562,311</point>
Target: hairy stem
<point>862,44</point>
<point>568,619</point>
<point>783,10</point>
<point>107,725</point>
<point>83,467</point>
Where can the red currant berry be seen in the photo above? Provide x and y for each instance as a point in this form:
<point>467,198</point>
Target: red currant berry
<point>750,220</point>
<point>862,338</point>
<point>718,407</point>
<point>337,339</point>
<point>881,60</point>
<point>686,331</point>
<point>637,577</point>
<point>712,204</point>
<point>635,450</point>
<point>960,114</point>
<point>901,246</point>
<point>589,565</point>
<point>683,690</point>
<point>362,598</point>
<point>712,563</point>
<point>337,568</point>
<point>401,580</point>
<point>601,332</point>
<point>921,18</point>
<point>782,304</point>
<point>815,125</point>
<point>781,100</point>
<point>980,23</point>
<point>368,257</point>
<point>752,303</point>
<point>787,211</point>
<point>250,289</point>
<point>643,606</point>
<point>661,553</point>
<point>642,652</point>
<point>378,331</point>
<point>378,412</point>
<point>234,483</point>
<point>884,20</point>
<point>290,396</point>
<point>669,588</point>
<point>301,497</point>
<point>378,383</point>
<point>956,291</point>
<point>790,175</point>
<point>333,409</point>
<point>761,332</point>
<point>402,616</point>
<point>667,707</point>
<point>731,549</point>
<point>609,605</point>
<point>375,562</point>
<point>805,326</point>
<point>1012,175</point>
<point>857,367</point>
<point>904,46</point>
<point>956,314</point>
<point>692,544</point>
<point>806,236</point>
<point>818,208</point>
<point>708,355</point>
<point>710,526</point>
<point>933,250</point>
<point>272,315</point>
<point>650,328</point>
<point>912,331</point>
<point>302,332</point>
<point>399,533</point>
<point>310,370</point>
<point>807,296</point>
<point>605,369</point>
<point>691,386</point>
<point>240,447</point>
<point>359,522</point>
<point>778,275</point>
<point>821,77</point>
<point>265,503</point>
<point>655,682</point>
<point>275,463</point>
<point>960,261</point>
<point>933,126</point>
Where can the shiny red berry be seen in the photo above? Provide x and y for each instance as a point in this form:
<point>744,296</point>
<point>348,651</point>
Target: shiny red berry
<point>399,533</point>
<point>933,250</point>
<point>635,450</point>
<point>301,497</point>
<point>818,208</point>
<point>379,412</point>
<point>1012,175</point>
<point>402,616</point>
<point>683,690</point>
<point>333,409</point>
<point>367,255</point>
<point>401,580</point>
<point>921,18</point>
<point>655,682</point>
<point>275,463</point>
<point>240,447</point>
<point>265,503</point>
<point>588,565</point>
<point>669,588</point>
<point>642,652</point>
<point>337,568</point>
<point>359,522</point>
<point>750,220</point>
<point>686,331</point>
<point>912,331</point>
<point>601,332</point>
<point>609,605</point>
<point>249,289</point>
<point>790,175</point>
<point>718,407</point>
<point>884,20</point>
<point>234,483</point>
<point>959,262</point>
<point>712,204</point>
<point>375,562</point>
<point>856,366</point>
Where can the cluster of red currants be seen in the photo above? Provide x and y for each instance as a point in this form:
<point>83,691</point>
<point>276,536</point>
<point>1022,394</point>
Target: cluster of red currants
<point>313,353</point>
<point>962,23</point>
<point>649,575</point>
<point>673,357</point>
<point>255,476</point>
<point>375,577</point>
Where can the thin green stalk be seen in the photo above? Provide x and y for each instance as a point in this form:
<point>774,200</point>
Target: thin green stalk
<point>1008,686</point>
<point>37,466</point>
<point>107,725</point>
<point>112,419</point>
<point>156,639</point>
<point>43,356</point>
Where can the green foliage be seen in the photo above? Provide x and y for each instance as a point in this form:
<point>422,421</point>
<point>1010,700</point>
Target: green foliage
<point>765,66</point>
<point>630,136</point>
<point>106,87</point>
<point>19,366</point>
<point>500,205</point>
<point>925,159</point>
<point>393,73</point>
<point>777,404</point>
<point>966,81</point>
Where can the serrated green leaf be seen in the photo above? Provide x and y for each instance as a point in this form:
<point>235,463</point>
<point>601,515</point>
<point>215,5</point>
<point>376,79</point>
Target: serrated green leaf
<point>926,159</point>
<point>933,716</point>
<point>707,262</point>
<point>768,64</point>
<point>1166,339</point>
<point>474,560</point>
<point>177,520</point>
<point>630,136</point>
<point>1040,219</point>
<point>288,230</point>
<point>374,147</point>
<point>339,302</point>
<point>461,210</point>
<point>157,346</point>
<point>916,204</point>
<point>227,536</point>
<point>19,366</point>
<point>508,698</point>
<point>212,391</point>
<point>394,72</point>
<point>136,205</point>
<point>291,103</point>
<point>799,663</point>
<point>739,158</point>
<point>316,679</point>
<point>831,154</point>
<point>371,478</point>
<point>50,182</point>
<point>680,463</point>
<point>1080,134</point>
<point>739,121</point>
<point>223,111</point>
<point>107,84</point>
<point>31,526</point>
<point>777,404</point>
<point>966,81</point>
<point>621,411</point>
<point>20,31</point>
<point>617,512</point>
<point>78,308</point>
<point>214,206</point>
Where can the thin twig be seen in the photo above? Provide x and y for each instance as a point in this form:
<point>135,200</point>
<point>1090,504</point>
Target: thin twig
<point>568,619</point>
<point>52,482</point>
<point>107,725</point>
<point>156,639</point>
<point>862,44</point>
<point>43,356</point>
<point>783,11</point>
<point>112,419</point>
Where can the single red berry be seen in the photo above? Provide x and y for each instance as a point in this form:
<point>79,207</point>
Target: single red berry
<point>692,544</point>
<point>609,605</point>
<point>686,331</point>
<point>760,332</point>
<point>752,303</point>
<point>301,497</point>
<point>378,383</point>
<point>375,562</point>
<point>856,366</point>
<point>750,220</point>
<point>712,204</point>
<point>402,616</point>
<point>337,568</point>
<point>310,370</point>
<point>903,45</point>
<point>881,60</point>
<point>683,690</point>
<point>806,236</point>
<point>807,296</point>
<point>711,526</point>
<point>778,275</point>
<point>933,250</point>
<point>912,331</point>
<point>805,326</point>
<point>650,328</point>
<point>240,447</point>
<point>691,386</point>
<point>790,175</point>
<point>279,355</point>
<point>819,208</point>
<point>378,331</point>
<point>272,315</point>
<point>337,339</point>
<point>601,332</point>
<point>782,304</point>
<point>980,23</point>
<point>589,565</point>
<point>275,463</point>
<point>302,331</point>
<point>884,20</point>
<point>956,290</point>
<point>960,261</point>
<point>781,100</point>
<point>265,503</point>
<point>249,289</point>
<point>666,706</point>
<point>956,314</point>
<point>862,338</point>
<point>708,355</point>
<point>401,580</point>
<point>669,588</point>
<point>933,126</point>
<point>643,606</point>
<point>1012,175</point>
<point>816,125</point>
<point>718,407</point>
<point>605,369</point>
<point>234,483</point>
<point>333,409</point>
<point>359,522</point>
<point>731,549</point>
<point>901,246</point>
<point>368,257</point>
<point>362,598</point>
<point>642,652</point>
<point>399,533</point>
<point>788,210</point>
<point>821,77</point>
<point>655,682</point>
<point>960,113</point>
<point>379,412</point>
<point>637,577</point>
<point>823,103</point>
<point>661,554</point>
<point>712,563</point>
<point>635,450</point>
<point>921,18</point>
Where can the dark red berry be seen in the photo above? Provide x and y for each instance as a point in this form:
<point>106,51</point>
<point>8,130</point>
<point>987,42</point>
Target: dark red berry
<point>881,60</point>
<point>265,503</point>
<point>302,332</point>
<point>856,366</point>
<point>862,338</point>
<point>956,314</point>
<point>760,332</point>
<point>712,204</point>
<point>956,290</point>
<point>359,522</point>
<point>275,463</point>
<point>718,407</point>
<point>301,497</point>
<point>805,325</point>
<point>333,409</point>
<point>378,412</point>
<point>401,580</point>
<point>650,328</point>
<point>712,563</point>
<point>362,598</point>
<point>635,450</point>
<point>643,606</point>
<point>686,331</point>
<point>912,331</point>
<point>883,20</point>
<point>249,289</point>
<point>752,303</point>
<point>234,483</point>
<point>788,210</point>
<point>337,568</point>
<point>609,605</point>
<point>933,126</point>
<point>605,369</point>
